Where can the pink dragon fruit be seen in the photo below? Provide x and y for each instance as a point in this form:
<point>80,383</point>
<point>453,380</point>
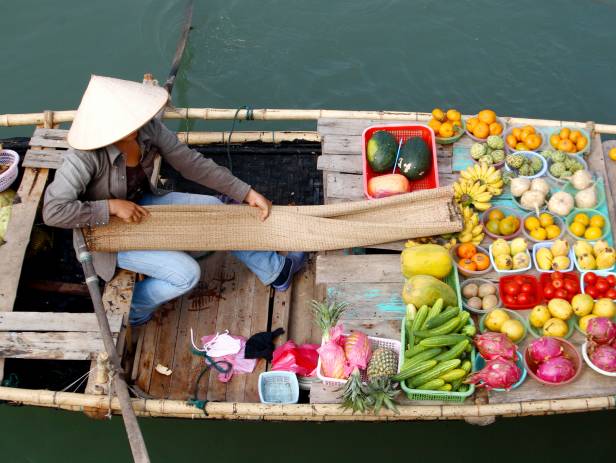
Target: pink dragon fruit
<point>495,345</point>
<point>497,374</point>
<point>556,370</point>
<point>604,358</point>
<point>544,348</point>
<point>601,330</point>
<point>333,359</point>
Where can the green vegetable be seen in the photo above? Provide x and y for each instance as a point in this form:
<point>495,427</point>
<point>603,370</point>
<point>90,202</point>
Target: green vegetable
<point>456,373</point>
<point>444,340</point>
<point>415,159</point>
<point>445,328</point>
<point>433,312</point>
<point>454,352</point>
<point>466,366</point>
<point>416,349</point>
<point>464,317</point>
<point>381,151</point>
<point>441,318</point>
<point>433,385</point>
<point>436,372</point>
<point>447,387</point>
<point>423,355</point>
<point>420,319</point>
<point>469,330</point>
<point>408,372</point>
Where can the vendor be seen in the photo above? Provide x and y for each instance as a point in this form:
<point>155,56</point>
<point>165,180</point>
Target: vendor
<point>108,172</point>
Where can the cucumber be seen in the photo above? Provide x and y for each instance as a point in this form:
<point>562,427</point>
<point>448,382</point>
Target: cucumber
<point>434,311</point>
<point>441,318</point>
<point>436,372</point>
<point>411,312</point>
<point>469,330</point>
<point>466,366</point>
<point>452,375</point>
<point>408,372</point>
<point>464,316</point>
<point>410,341</point>
<point>454,352</point>
<point>447,387</point>
<point>420,318</point>
<point>445,328</point>
<point>416,349</point>
<point>433,385</point>
<point>423,355</point>
<point>444,340</point>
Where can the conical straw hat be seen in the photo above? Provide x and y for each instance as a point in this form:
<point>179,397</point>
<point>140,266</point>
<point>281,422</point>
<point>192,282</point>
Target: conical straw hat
<point>110,109</point>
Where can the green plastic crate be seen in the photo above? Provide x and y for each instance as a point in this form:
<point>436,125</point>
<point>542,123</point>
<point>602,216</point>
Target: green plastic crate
<point>454,281</point>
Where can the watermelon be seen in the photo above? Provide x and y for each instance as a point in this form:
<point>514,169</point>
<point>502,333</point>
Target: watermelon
<point>415,158</point>
<point>381,151</point>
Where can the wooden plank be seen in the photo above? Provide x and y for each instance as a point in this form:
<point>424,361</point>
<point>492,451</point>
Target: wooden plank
<point>340,163</point>
<point>345,186</point>
<point>57,346</point>
<point>376,300</point>
<point>369,268</point>
<point>49,134</point>
<point>342,145</point>
<point>339,126</point>
<point>148,350</point>
<point>302,328</point>
<point>260,316</point>
<point>50,159</point>
<point>281,310</point>
<point>55,321</point>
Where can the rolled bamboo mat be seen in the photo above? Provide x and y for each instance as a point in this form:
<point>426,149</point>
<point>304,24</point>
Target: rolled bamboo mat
<point>289,228</point>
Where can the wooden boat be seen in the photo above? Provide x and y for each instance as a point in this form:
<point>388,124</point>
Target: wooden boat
<point>229,295</point>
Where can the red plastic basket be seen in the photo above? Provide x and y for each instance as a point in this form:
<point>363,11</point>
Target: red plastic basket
<point>536,291</point>
<point>403,132</point>
<point>546,278</point>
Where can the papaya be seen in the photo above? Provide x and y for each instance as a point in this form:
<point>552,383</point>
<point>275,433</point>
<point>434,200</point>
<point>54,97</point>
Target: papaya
<point>426,290</point>
<point>388,185</point>
<point>426,259</point>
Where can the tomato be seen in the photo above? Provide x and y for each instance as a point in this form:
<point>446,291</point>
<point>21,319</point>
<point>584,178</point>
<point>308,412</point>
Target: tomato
<point>602,285</point>
<point>548,291</point>
<point>561,293</point>
<point>611,279</point>
<point>611,293</point>
<point>571,286</point>
<point>524,298</point>
<point>591,291</point>
<point>508,299</point>
<point>590,278</point>
<point>557,276</point>
<point>511,288</point>
<point>519,279</point>
<point>526,288</point>
<point>558,283</point>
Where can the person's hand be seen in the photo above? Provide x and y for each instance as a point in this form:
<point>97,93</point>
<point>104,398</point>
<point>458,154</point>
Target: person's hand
<point>128,211</point>
<point>255,199</point>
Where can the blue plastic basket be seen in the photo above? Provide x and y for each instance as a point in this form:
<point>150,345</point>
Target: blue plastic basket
<point>480,363</point>
<point>278,387</point>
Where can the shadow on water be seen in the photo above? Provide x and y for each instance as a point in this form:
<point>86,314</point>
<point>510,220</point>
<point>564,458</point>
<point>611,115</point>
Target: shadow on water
<point>25,437</point>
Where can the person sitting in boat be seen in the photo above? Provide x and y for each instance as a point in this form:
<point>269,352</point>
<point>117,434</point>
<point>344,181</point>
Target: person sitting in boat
<point>114,139</point>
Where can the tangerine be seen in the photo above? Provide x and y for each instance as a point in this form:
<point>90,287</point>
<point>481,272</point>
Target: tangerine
<point>582,218</point>
<point>593,233</point>
<point>496,214</point>
<point>581,143</point>
<point>438,114</point>
<point>454,115</point>
<point>482,130</point>
<point>529,128</point>
<point>495,128</point>
<point>597,221</point>
<point>546,219</point>
<point>566,145</point>
<point>516,132</point>
<point>577,228</point>
<point>471,123</point>
<point>539,234</point>
<point>487,115</point>
<point>564,133</point>
<point>553,231</point>
<point>434,125</point>
<point>521,147</point>
<point>612,154</point>
<point>531,223</point>
<point>511,140</point>
<point>446,130</point>
<point>574,135</point>
<point>554,140</point>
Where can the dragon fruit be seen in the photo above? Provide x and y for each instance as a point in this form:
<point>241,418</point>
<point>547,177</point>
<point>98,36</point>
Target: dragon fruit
<point>495,345</point>
<point>556,370</point>
<point>601,330</point>
<point>544,348</point>
<point>357,350</point>
<point>333,359</point>
<point>604,358</point>
<point>497,374</point>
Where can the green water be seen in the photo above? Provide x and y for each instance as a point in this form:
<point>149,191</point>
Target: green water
<point>549,59</point>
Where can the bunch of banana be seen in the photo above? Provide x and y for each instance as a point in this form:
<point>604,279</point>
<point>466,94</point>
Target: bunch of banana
<point>469,193</point>
<point>446,243</point>
<point>486,175</point>
<point>473,230</point>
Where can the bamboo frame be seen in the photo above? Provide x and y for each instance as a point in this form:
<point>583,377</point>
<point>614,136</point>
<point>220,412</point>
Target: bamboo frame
<point>263,114</point>
<point>205,138</point>
<point>299,412</point>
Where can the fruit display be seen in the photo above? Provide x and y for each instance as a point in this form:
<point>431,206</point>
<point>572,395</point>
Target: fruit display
<point>446,124</point>
<point>519,291</point>
<point>501,222</point>
<point>560,285</point>
<point>499,357</point>
<point>470,259</point>
<point>598,286</point>
<point>473,230</point>
<point>484,124</point>
<point>561,203</point>
<point>560,164</point>
<point>415,159</point>
<point>382,186</point>
<point>543,226</point>
<point>569,141</point>
<point>506,322</point>
<point>524,138</point>
<point>472,194</point>
<point>437,349</point>
<point>485,175</point>
<point>479,295</point>
<point>587,198</point>
<point>490,152</point>
<point>425,259</point>
<point>597,256</point>
<point>530,195</point>
<point>552,256</point>
<point>559,324</point>
<point>600,347</point>
<point>586,309</point>
<point>381,151</point>
<point>583,226</point>
<point>552,361</point>
<point>524,164</point>
<point>510,256</point>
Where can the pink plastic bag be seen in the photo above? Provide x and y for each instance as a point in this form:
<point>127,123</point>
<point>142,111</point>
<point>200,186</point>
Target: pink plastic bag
<point>296,359</point>
<point>239,364</point>
<point>333,358</point>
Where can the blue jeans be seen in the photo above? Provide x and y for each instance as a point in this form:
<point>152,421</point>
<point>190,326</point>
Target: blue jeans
<point>169,274</point>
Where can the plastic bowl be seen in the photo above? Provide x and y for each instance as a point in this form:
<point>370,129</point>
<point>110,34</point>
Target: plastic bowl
<point>547,244</point>
<point>478,282</point>
<point>509,131</point>
<point>469,273</point>
<point>599,188</point>
<point>590,213</point>
<point>537,334</point>
<point>481,140</point>
<point>530,154</point>
<point>459,132</point>
<point>509,272</point>
<point>592,365</point>
<point>569,350</point>
<point>512,314</point>
<point>560,181</point>
<point>583,131</point>
<point>577,324</point>
<point>507,211</point>
<point>600,273</point>
<point>480,363</point>
<point>536,291</point>
<point>557,221</point>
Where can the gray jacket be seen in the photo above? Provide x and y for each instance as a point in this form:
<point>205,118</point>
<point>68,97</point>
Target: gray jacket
<point>87,179</point>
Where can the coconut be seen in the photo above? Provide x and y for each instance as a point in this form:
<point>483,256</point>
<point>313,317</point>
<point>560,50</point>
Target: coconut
<point>586,198</point>
<point>581,179</point>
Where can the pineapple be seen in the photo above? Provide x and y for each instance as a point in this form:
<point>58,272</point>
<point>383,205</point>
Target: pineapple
<point>383,364</point>
<point>327,314</point>
<point>354,394</point>
<point>382,391</point>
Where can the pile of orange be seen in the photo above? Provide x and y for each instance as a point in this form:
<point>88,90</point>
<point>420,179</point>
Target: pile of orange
<point>471,259</point>
<point>445,124</point>
<point>524,138</point>
<point>484,124</point>
<point>569,141</point>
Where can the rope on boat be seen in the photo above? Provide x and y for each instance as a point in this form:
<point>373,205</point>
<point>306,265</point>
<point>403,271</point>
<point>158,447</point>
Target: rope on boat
<point>249,117</point>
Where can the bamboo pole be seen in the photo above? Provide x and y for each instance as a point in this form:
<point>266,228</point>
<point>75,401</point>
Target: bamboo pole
<point>263,114</point>
<point>205,138</point>
<point>304,412</point>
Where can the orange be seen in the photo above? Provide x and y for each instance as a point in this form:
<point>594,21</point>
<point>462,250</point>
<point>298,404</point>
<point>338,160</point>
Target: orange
<point>564,133</point>
<point>482,130</point>
<point>438,114</point>
<point>446,130</point>
<point>496,128</point>
<point>434,125</point>
<point>597,221</point>
<point>481,261</point>
<point>531,223</point>
<point>487,115</point>
<point>546,219</point>
<point>581,143</point>
<point>577,228</point>
<point>612,154</point>
<point>593,233</point>
<point>468,264</point>
<point>496,214</point>
<point>533,141</point>
<point>521,147</point>
<point>453,115</point>
<point>466,250</point>
<point>524,135</point>
<point>512,141</point>
<point>574,135</point>
<point>516,132</point>
<point>582,218</point>
<point>554,140</point>
<point>566,145</point>
<point>539,234</point>
<point>471,123</point>
<point>529,129</point>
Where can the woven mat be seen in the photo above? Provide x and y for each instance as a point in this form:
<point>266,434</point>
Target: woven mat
<point>289,228</point>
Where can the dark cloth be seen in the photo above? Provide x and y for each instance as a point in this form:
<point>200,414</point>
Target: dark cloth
<point>136,183</point>
<point>261,345</point>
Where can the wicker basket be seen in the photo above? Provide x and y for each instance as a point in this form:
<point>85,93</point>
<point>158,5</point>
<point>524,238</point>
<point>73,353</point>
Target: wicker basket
<point>10,158</point>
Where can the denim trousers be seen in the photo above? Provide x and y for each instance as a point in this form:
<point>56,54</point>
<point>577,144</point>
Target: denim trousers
<point>169,274</point>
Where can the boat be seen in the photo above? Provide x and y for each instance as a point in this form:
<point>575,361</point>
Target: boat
<point>369,279</point>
